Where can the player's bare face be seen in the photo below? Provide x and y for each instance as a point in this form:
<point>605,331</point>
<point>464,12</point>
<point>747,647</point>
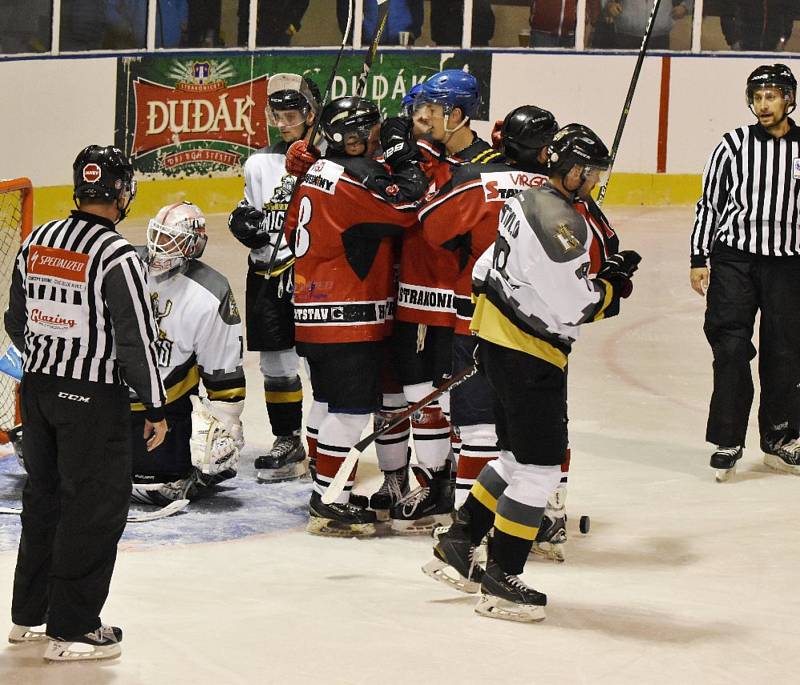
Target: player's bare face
<point>591,178</point>
<point>437,120</point>
<point>290,123</point>
<point>769,106</point>
<point>354,145</point>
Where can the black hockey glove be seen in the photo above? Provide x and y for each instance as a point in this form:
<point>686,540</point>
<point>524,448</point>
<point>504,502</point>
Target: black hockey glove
<point>247,225</point>
<point>618,270</point>
<point>397,141</point>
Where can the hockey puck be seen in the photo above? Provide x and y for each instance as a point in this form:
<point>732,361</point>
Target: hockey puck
<point>584,524</point>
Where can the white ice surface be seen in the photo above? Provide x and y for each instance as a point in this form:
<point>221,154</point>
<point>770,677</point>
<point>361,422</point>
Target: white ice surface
<point>681,580</point>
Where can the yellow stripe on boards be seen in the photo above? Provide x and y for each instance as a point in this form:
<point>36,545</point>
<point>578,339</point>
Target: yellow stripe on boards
<point>485,497</point>
<point>518,530</point>
<point>283,397</point>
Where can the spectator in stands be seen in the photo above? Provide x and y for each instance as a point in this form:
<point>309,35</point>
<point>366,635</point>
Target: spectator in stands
<point>765,26</point>
<point>623,23</point>
<point>447,22</point>
<point>403,25</point>
<point>553,22</point>
<point>277,21</point>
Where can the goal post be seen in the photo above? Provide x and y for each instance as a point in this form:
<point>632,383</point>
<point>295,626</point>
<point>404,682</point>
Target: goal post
<point>16,222</point>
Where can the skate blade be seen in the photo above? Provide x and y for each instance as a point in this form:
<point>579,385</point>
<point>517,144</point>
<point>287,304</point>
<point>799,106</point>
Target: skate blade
<point>722,475</point>
<point>494,607</point>
<point>444,573</point>
<point>549,551</point>
<point>334,529</point>
<point>777,464</point>
<point>27,634</point>
<point>423,526</point>
<point>80,651</point>
<point>283,474</point>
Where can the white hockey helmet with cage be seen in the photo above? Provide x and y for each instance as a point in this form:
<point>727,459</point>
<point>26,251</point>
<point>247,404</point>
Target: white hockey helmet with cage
<point>176,233</point>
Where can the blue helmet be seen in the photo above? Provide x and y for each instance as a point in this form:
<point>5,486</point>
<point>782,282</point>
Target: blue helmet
<point>407,104</point>
<point>452,88</point>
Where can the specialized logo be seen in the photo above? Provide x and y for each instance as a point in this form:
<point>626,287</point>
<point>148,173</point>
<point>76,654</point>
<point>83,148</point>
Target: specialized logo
<point>92,173</point>
<point>47,263</point>
<point>74,398</point>
<point>500,186</point>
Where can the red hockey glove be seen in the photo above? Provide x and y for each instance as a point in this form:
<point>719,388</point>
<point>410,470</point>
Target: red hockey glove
<point>300,157</point>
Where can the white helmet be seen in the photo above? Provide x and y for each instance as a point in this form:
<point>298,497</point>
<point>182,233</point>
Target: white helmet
<point>177,233</point>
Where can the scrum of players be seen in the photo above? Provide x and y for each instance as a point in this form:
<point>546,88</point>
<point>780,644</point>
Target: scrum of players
<point>392,255</point>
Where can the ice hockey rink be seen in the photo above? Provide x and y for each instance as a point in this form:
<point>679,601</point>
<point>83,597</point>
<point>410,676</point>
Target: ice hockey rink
<point>681,580</point>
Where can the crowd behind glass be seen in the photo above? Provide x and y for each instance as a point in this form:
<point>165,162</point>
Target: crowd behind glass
<point>744,25</point>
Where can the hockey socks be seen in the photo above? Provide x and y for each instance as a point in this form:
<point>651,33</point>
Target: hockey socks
<point>337,435</point>
<point>477,448</point>
<point>284,398</point>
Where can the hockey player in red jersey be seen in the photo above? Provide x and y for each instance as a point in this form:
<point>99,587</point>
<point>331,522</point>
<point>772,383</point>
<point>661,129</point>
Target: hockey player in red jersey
<point>422,338</point>
<point>462,219</point>
<point>341,221</point>
<point>533,290</point>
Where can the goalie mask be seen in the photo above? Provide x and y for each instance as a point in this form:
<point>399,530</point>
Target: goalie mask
<point>177,233</point>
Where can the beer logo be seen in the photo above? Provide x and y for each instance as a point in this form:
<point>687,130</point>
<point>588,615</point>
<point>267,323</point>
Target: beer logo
<point>92,172</point>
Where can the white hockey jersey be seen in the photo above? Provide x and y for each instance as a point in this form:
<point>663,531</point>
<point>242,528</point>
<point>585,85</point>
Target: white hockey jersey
<point>199,333</point>
<point>533,287</point>
<point>268,187</point>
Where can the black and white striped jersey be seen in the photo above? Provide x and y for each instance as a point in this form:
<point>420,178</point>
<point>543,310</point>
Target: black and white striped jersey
<point>79,307</point>
<point>751,195</point>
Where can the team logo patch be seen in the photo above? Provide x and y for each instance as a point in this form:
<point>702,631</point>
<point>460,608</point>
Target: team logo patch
<point>92,173</point>
<point>796,167</point>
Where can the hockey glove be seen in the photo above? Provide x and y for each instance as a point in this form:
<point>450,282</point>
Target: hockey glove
<point>300,157</point>
<point>397,141</point>
<point>247,225</point>
<point>618,270</point>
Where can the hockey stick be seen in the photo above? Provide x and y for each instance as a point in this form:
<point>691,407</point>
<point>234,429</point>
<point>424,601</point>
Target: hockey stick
<point>315,129</point>
<point>383,14</point>
<point>169,510</point>
<point>629,99</point>
<point>336,486</point>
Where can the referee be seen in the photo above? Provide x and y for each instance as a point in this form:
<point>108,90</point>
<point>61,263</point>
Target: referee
<point>747,224</point>
<point>80,309</point>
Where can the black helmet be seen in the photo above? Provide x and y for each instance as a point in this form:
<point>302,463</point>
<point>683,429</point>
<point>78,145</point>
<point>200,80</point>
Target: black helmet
<point>292,91</point>
<point>102,173</point>
<point>576,144</point>
<point>345,116</point>
<point>525,131</point>
<point>772,76</point>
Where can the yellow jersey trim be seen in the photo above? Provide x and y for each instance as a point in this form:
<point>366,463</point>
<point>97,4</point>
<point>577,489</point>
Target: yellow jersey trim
<point>176,391</point>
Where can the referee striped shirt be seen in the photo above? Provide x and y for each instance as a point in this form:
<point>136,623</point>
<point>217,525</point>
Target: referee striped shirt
<point>751,195</point>
<point>79,307</point>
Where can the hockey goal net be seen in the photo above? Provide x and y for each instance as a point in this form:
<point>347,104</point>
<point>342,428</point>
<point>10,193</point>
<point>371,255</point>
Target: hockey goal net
<point>16,220</point>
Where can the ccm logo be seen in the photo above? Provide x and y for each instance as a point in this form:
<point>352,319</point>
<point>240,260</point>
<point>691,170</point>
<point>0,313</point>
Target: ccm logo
<point>74,398</point>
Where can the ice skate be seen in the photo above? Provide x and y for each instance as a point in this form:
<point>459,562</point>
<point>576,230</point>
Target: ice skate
<point>103,643</point>
<point>455,563</point>
<point>426,507</point>
<point>551,540</point>
<point>391,491</point>
<point>23,634</point>
<point>286,460</point>
<point>784,456</point>
<point>505,596</point>
<point>339,520</point>
<point>724,461</point>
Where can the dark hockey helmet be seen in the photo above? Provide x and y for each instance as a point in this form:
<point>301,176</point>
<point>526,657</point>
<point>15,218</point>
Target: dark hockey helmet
<point>102,173</point>
<point>576,144</point>
<point>525,131</point>
<point>291,93</point>
<point>452,88</point>
<point>772,76</point>
<point>346,116</point>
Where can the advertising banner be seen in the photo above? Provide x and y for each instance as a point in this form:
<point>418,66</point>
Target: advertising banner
<point>190,115</point>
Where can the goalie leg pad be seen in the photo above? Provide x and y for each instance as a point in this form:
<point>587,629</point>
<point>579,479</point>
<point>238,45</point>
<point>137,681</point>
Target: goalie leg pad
<point>213,444</point>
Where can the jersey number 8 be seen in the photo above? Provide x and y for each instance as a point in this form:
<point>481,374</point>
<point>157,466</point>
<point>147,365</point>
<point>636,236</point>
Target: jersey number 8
<point>302,236</point>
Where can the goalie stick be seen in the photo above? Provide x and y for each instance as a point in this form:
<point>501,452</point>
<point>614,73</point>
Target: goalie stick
<point>336,486</point>
<point>629,99</point>
<point>383,13</point>
<point>169,510</point>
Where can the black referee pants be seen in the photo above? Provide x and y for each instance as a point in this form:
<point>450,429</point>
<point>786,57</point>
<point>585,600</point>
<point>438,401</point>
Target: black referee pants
<point>740,285</point>
<point>75,501</point>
